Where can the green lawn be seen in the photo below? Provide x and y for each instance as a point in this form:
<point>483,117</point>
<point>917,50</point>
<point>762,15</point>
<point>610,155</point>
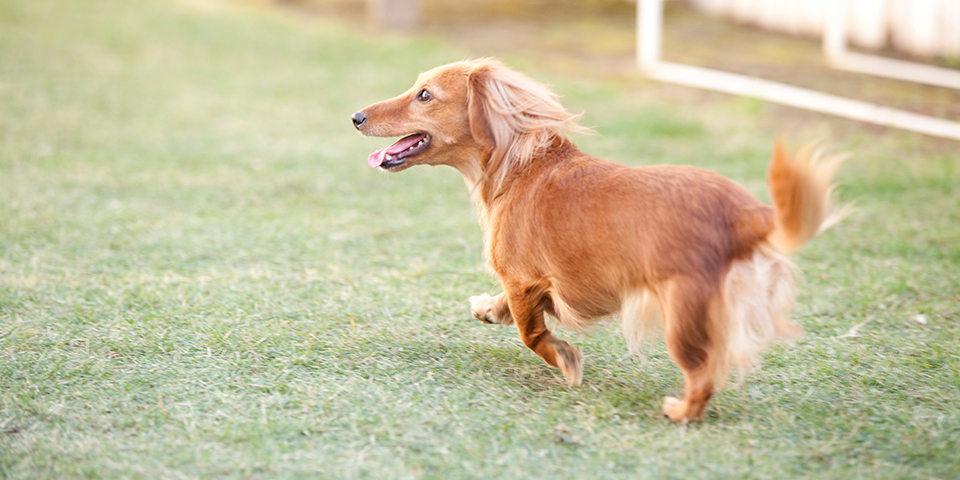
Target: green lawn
<point>200,276</point>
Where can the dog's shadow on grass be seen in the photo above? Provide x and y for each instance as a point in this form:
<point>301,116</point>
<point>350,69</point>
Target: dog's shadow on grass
<point>492,364</point>
<point>500,363</point>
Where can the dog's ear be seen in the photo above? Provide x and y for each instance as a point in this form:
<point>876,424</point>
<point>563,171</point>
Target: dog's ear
<point>477,105</point>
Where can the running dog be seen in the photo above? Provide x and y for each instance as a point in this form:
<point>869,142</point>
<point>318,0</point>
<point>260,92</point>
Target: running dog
<point>581,238</point>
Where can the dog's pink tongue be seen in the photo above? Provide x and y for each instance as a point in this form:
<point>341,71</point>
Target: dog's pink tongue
<point>376,158</point>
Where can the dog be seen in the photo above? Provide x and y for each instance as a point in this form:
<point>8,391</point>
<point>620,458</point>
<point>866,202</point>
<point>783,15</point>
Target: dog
<point>676,248</point>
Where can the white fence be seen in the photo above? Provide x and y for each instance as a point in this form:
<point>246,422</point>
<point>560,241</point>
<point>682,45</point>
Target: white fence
<point>650,24</point>
<point>919,27</point>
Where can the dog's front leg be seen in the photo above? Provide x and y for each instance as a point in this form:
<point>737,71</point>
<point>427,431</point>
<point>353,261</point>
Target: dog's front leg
<point>527,310</point>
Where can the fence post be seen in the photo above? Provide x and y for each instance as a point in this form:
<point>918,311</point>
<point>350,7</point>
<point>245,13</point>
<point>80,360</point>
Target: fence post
<point>402,14</point>
<point>649,24</point>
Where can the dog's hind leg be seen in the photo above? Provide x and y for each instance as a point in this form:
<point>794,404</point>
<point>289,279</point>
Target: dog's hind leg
<point>527,306</point>
<point>489,309</point>
<point>689,317</point>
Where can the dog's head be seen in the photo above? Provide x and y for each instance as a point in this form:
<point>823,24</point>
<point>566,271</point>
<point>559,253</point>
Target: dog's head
<point>431,118</point>
<point>454,112</point>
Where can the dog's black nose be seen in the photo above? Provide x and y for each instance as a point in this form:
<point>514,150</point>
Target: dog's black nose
<point>359,119</point>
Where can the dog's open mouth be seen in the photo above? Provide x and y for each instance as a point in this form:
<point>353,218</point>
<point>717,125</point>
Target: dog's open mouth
<point>396,154</point>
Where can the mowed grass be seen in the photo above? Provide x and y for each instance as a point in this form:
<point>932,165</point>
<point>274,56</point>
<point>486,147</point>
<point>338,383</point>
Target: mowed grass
<point>200,277</point>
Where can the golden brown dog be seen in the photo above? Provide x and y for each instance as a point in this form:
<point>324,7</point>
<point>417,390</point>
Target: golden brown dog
<point>581,238</point>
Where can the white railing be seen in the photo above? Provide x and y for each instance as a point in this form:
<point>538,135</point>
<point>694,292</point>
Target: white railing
<point>649,29</point>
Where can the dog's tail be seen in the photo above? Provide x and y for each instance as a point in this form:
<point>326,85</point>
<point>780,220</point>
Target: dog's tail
<point>758,291</point>
<point>802,196</point>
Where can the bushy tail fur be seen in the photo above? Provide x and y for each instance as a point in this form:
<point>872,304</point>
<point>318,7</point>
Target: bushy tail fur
<point>802,196</point>
<point>758,292</point>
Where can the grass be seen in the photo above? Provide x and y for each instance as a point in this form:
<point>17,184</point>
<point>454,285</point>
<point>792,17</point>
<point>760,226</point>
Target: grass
<point>200,277</point>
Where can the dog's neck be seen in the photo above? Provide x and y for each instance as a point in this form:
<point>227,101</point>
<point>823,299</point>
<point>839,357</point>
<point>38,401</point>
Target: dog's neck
<point>473,167</point>
<point>487,184</point>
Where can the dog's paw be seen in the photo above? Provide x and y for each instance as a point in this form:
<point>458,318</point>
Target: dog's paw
<point>484,308</point>
<point>570,362</point>
<point>481,306</point>
<point>675,409</point>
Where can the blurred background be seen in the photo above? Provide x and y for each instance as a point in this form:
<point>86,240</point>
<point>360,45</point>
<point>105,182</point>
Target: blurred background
<point>771,39</point>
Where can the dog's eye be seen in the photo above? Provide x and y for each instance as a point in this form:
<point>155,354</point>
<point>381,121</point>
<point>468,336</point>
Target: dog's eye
<point>424,96</point>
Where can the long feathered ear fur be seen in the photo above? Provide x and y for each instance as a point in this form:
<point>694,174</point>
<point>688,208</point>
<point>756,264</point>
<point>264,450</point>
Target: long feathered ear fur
<point>516,116</point>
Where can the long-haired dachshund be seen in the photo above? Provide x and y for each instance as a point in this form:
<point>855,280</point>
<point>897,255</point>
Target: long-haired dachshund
<point>582,238</point>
